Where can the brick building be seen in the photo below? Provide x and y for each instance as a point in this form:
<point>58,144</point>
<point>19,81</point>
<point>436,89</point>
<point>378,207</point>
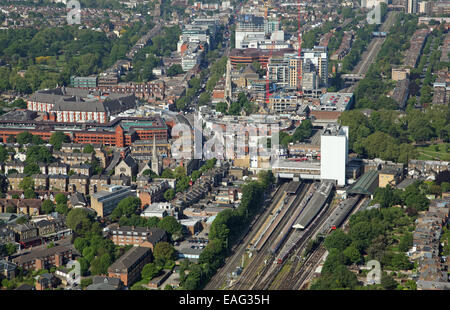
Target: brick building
<point>129,266</point>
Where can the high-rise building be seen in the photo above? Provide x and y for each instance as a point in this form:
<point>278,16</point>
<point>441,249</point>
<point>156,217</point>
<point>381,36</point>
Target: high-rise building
<point>412,7</point>
<point>334,153</point>
<point>284,71</point>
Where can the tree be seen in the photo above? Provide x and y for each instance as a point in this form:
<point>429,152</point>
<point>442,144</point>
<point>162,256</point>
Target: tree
<point>169,194</point>
<point>86,282</point>
<point>388,282</point>
<point>171,225</point>
<point>353,254</point>
<point>167,174</point>
<point>58,138</point>
<point>152,222</point>
<point>26,183</point>
<point>47,206</point>
<point>29,193</point>
<point>62,208</point>
<point>222,107</point>
<point>150,271</point>
<point>24,138</point>
<point>179,172</point>
<point>174,69</point>
<point>3,154</point>
<point>80,243</point>
<point>88,149</point>
<point>406,242</point>
<point>79,220</point>
<point>38,153</point>
<point>31,168</point>
<point>126,207</point>
<point>337,240</point>
<point>164,252</point>
<point>60,198</point>
<point>100,264</point>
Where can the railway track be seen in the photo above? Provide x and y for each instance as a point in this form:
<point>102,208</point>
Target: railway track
<point>238,250</point>
<point>288,281</point>
<point>297,279</point>
<point>262,260</point>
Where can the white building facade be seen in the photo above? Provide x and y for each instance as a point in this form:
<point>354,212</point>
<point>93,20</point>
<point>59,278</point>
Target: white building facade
<point>334,154</point>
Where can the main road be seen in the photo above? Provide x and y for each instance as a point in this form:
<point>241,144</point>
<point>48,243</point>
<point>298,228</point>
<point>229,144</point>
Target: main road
<point>368,57</point>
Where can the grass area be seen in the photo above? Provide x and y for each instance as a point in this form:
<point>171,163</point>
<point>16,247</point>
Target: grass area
<point>434,152</point>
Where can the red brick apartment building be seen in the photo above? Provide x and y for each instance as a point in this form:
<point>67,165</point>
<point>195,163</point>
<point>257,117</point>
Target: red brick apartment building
<point>123,131</point>
<point>129,266</point>
<point>142,236</point>
<point>45,258</point>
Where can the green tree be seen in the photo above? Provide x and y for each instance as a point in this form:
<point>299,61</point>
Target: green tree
<point>26,183</point>
<point>337,240</point>
<point>24,138</point>
<point>58,138</point>
<point>47,206</point>
<point>126,207</point>
<point>171,225</point>
<point>150,271</point>
<point>62,208</point>
<point>169,194</point>
<point>60,198</point>
<point>388,282</point>
<point>88,149</point>
<point>174,69</point>
<point>79,220</point>
<point>164,252</point>
<point>29,193</point>
<point>31,168</point>
<point>222,107</point>
<point>353,254</point>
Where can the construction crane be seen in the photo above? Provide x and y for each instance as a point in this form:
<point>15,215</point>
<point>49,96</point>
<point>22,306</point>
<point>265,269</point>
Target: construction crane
<point>299,64</point>
<point>267,4</point>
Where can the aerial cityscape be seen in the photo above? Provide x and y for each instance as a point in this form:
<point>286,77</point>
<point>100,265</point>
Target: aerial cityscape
<point>240,145</point>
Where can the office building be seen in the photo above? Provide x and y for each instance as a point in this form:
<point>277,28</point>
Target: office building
<point>334,154</point>
<point>104,202</point>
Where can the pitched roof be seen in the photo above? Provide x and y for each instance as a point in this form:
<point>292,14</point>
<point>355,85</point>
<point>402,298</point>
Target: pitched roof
<point>128,259</point>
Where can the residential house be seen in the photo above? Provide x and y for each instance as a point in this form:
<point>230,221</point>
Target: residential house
<point>58,182</point>
<point>16,165</point>
<point>58,168</point>
<point>40,182</point>
<point>8,269</point>
<point>98,183</point>
<point>84,169</point>
<point>14,181</point>
<point>153,192</point>
<point>44,258</point>
<point>120,180</point>
<point>79,183</point>
<point>24,231</point>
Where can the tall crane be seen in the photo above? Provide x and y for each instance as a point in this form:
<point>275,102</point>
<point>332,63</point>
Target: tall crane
<point>267,4</point>
<point>299,63</point>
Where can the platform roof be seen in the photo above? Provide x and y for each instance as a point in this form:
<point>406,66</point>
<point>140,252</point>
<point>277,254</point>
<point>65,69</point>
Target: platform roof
<point>365,184</point>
